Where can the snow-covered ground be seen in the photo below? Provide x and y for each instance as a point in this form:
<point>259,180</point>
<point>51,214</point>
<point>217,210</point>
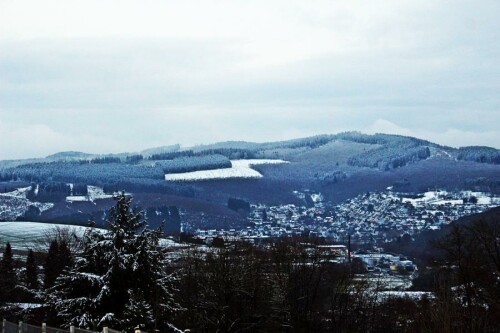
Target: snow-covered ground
<point>14,204</point>
<point>317,197</point>
<point>77,198</point>
<point>438,198</point>
<point>239,169</point>
<point>414,295</point>
<point>19,193</point>
<point>94,193</point>
<point>97,193</point>
<point>24,235</point>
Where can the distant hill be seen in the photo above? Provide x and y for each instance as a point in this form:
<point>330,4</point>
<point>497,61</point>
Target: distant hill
<point>68,155</point>
<point>340,166</point>
<point>160,150</point>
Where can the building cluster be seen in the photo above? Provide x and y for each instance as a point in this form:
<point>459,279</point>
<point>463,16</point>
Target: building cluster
<point>367,219</point>
<point>388,263</point>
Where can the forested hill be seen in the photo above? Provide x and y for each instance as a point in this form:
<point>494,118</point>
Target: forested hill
<point>322,158</point>
<point>383,151</point>
<point>339,166</point>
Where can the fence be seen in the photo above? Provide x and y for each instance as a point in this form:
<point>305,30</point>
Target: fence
<point>8,327</point>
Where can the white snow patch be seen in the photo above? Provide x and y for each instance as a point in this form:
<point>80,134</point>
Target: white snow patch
<point>19,193</point>
<point>414,295</point>
<point>438,198</point>
<point>317,197</point>
<point>14,204</point>
<point>97,193</point>
<point>43,206</point>
<point>94,193</point>
<point>73,198</point>
<point>26,306</point>
<point>239,169</point>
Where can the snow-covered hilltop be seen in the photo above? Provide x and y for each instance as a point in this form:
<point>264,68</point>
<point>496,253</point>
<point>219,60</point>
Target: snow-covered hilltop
<point>239,169</point>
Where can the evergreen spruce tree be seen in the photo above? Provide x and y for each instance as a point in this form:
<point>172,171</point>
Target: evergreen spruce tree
<point>137,313</point>
<point>31,272</point>
<point>8,279</point>
<point>59,258</point>
<point>51,270</point>
<point>64,257</point>
<point>119,279</point>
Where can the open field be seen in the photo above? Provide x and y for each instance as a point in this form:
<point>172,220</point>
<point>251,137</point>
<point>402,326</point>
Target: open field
<point>24,235</point>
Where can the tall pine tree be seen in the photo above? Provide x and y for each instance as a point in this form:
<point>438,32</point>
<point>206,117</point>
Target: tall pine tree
<point>58,258</point>
<point>31,271</point>
<point>117,273</point>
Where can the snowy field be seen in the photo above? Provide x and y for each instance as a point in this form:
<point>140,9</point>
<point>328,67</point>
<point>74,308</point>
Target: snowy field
<point>25,235</point>
<point>239,169</point>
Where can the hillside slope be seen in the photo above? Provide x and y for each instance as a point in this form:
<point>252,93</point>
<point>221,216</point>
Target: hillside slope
<point>339,166</point>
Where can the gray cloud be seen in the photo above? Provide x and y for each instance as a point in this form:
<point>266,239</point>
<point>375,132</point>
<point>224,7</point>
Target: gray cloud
<point>419,68</point>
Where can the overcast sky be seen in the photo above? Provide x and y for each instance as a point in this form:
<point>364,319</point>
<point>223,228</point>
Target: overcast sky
<point>108,76</point>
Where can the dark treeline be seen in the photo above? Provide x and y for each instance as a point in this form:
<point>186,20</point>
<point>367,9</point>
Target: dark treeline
<point>238,205</point>
<point>134,158</point>
<point>194,163</point>
<point>147,185</point>
<point>80,172</point>
<point>165,218</point>
<point>171,155</point>
<point>391,156</point>
<point>381,139</point>
<point>286,287</point>
<point>102,160</point>
<point>54,178</point>
<point>230,153</point>
<point>395,151</point>
<point>48,192</point>
<point>479,154</point>
<point>54,191</point>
